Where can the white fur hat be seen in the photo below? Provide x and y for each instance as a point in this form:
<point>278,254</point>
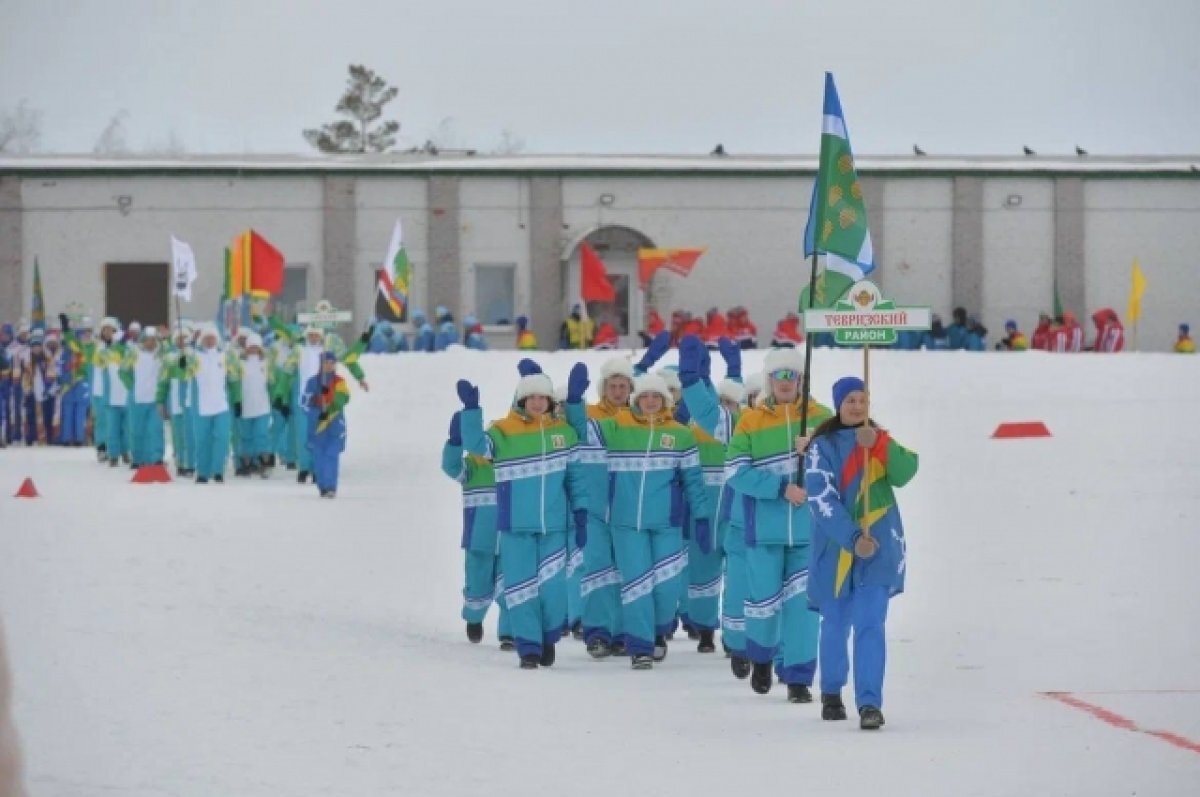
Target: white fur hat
<point>534,385</point>
<point>253,341</point>
<point>616,366</point>
<point>791,359</point>
<point>560,394</point>
<point>733,391</point>
<point>651,383</point>
<point>209,329</point>
<point>150,333</point>
<point>670,375</point>
<point>109,321</point>
<point>135,325</point>
<point>313,329</point>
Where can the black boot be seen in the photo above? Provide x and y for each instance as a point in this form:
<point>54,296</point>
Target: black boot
<point>475,632</point>
<point>201,480</point>
<point>507,643</point>
<point>832,707</point>
<point>761,678</point>
<point>740,665</point>
<point>577,630</point>
<point>660,648</point>
<point>530,661</point>
<point>799,693</point>
<point>547,659</point>
<point>870,718</point>
<point>219,479</point>
<point>642,662</point>
<point>617,647</point>
<point>706,643</point>
<point>302,476</point>
<point>599,648</point>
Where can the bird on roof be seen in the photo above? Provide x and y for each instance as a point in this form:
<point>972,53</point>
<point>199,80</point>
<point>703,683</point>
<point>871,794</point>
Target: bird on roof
<point>719,150</point>
<point>1080,151</point>
<point>917,150</point>
<point>1028,151</point>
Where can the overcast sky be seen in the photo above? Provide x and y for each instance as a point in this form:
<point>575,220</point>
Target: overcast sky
<point>617,76</point>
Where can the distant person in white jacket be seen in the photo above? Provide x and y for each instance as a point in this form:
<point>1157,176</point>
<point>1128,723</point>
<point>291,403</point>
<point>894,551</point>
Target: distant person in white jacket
<point>207,371</point>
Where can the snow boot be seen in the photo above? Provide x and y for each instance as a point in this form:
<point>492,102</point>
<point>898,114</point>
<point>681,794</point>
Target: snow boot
<point>760,678</point>
<point>201,480</point>
<point>114,462</point>
<point>577,630</point>
<point>547,659</point>
<point>642,662</point>
<point>740,665</point>
<point>832,707</point>
<point>870,718</point>
<point>507,643</point>
<point>219,479</point>
<point>302,476</point>
<point>660,648</point>
<point>599,648</point>
<point>530,661</point>
<point>706,643</point>
<point>618,648</point>
<point>799,693</point>
<point>474,630</point>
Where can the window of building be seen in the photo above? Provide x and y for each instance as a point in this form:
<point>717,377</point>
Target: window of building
<point>495,293</point>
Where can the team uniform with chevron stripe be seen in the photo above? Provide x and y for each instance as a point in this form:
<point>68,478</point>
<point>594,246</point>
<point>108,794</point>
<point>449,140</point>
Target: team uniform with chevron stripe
<point>760,464</point>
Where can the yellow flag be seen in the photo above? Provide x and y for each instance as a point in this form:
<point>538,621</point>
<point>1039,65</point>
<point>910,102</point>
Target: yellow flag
<point>1136,289</point>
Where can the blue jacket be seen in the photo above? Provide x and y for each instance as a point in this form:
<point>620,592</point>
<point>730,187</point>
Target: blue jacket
<point>447,335</point>
<point>974,342</point>
<point>328,435</point>
<point>538,478</point>
<point>478,482</point>
<point>957,336</point>
<point>424,340</point>
<point>833,473</point>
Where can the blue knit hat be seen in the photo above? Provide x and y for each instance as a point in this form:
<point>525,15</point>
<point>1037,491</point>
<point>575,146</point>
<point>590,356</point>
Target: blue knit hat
<point>1185,329</point>
<point>844,387</point>
<point>329,356</point>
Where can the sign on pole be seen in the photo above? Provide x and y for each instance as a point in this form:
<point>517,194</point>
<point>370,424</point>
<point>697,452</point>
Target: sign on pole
<point>325,315</point>
<point>864,318</point>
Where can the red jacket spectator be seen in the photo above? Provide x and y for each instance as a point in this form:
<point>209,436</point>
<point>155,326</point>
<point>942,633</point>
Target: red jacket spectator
<point>1074,332</point>
<point>787,332</point>
<point>716,328</point>
<point>742,329</point>
<point>606,337</point>
<point>1041,335</point>
<point>654,324</point>
<point>1059,338</point>
<point>1110,334</point>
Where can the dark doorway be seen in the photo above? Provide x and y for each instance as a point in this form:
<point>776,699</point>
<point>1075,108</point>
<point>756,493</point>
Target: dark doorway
<point>138,292</point>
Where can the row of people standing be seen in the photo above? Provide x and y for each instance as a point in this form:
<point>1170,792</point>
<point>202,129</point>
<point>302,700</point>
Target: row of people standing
<point>686,503</point>
<point>263,401</point>
<point>443,332</point>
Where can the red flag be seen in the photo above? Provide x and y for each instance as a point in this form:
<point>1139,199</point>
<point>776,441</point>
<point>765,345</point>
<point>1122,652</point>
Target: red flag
<point>266,266</point>
<point>594,283</point>
<point>681,261</point>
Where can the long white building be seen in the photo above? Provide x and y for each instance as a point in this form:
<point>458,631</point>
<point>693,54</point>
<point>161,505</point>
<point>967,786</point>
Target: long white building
<point>499,236</point>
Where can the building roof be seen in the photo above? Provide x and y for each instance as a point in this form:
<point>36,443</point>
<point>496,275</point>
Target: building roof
<point>459,162</point>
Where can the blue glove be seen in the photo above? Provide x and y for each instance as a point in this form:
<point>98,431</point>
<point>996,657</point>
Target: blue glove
<point>702,533</point>
<point>577,383</point>
<point>691,354</point>
<point>733,358</point>
<point>580,528</point>
<point>468,394</point>
<point>658,347</point>
<point>682,413</point>
<point>454,437</point>
<point>527,367</point>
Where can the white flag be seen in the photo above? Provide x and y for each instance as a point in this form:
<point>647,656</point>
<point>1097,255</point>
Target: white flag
<point>183,261</point>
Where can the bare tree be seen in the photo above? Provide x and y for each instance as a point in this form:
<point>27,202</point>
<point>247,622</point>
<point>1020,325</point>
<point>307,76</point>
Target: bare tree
<point>112,139</point>
<point>366,94</point>
<point>510,143</point>
<point>20,129</point>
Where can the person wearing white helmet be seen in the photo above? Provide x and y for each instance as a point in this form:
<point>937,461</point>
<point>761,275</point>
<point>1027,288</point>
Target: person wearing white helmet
<point>177,406</point>
<point>142,373</point>
<point>763,467</point>
<point>250,389</point>
<point>655,467</point>
<point>206,370</point>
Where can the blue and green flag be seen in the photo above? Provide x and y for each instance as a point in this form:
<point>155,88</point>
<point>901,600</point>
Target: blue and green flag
<point>837,216</point>
<point>37,314</point>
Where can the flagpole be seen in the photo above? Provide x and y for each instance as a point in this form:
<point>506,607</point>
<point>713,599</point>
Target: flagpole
<point>808,347</point>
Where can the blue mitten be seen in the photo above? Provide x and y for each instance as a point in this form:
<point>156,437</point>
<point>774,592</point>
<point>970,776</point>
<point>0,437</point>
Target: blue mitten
<point>580,528</point>
<point>468,394</point>
<point>454,437</point>
<point>703,534</point>
<point>733,358</point>
<point>658,347</point>
<point>691,355</point>
<point>527,367</point>
<point>577,383</point>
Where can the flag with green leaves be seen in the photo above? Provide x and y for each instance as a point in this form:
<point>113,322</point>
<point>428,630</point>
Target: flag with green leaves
<point>837,215</point>
<point>37,315</point>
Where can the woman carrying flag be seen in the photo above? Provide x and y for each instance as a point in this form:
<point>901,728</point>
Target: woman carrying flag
<point>325,398</point>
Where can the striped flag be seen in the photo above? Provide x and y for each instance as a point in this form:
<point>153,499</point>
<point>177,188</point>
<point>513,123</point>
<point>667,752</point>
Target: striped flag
<point>837,216</point>
<point>395,277</point>
<point>680,261</point>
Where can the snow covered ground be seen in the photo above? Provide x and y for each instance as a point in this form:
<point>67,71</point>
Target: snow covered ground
<point>252,639</point>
